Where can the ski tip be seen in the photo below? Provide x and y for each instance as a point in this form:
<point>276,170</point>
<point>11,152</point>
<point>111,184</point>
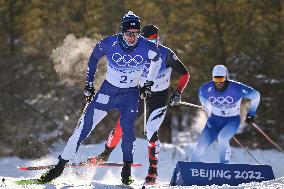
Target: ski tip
<point>22,168</point>
<point>30,182</point>
<point>136,164</point>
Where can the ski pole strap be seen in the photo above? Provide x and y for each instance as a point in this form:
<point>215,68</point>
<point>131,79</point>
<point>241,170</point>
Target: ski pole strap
<point>267,137</point>
<point>242,146</point>
<point>190,104</point>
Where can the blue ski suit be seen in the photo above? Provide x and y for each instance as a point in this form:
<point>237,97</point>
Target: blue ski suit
<point>223,109</point>
<point>118,91</point>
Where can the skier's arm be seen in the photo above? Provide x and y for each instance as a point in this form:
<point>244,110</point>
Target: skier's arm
<point>99,51</point>
<point>204,102</point>
<point>174,62</point>
<point>252,95</point>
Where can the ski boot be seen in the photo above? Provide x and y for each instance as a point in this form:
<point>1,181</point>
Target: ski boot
<point>152,173</point>
<point>126,173</point>
<point>101,158</point>
<point>54,172</point>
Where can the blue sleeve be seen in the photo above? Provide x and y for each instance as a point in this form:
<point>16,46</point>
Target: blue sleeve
<point>253,95</point>
<point>202,99</point>
<point>99,51</point>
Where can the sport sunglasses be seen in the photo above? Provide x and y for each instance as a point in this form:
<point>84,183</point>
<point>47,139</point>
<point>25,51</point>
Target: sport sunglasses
<point>219,79</point>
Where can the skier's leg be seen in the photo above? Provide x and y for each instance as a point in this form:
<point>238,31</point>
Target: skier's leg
<point>153,153</point>
<point>82,130</point>
<point>207,137</point>
<point>155,120</point>
<point>112,141</point>
<point>224,137</point>
<point>153,124</point>
<point>128,110</point>
<point>95,112</point>
<point>116,134</point>
<point>158,106</point>
<point>128,116</point>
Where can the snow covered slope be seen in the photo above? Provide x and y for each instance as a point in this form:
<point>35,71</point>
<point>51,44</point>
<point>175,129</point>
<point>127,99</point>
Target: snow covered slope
<point>109,178</point>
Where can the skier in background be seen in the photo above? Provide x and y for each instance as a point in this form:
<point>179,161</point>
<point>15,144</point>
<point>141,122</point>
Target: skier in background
<point>127,53</point>
<point>221,98</point>
<point>157,103</point>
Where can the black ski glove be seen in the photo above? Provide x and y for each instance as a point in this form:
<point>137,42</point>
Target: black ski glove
<point>145,91</point>
<point>89,91</point>
<point>249,119</point>
<point>175,98</point>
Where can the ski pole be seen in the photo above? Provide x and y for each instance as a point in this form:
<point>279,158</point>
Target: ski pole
<point>145,115</point>
<point>242,146</point>
<point>267,137</point>
<point>190,104</point>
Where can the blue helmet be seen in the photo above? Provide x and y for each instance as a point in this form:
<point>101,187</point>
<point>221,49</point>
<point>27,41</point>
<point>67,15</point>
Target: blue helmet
<point>130,21</point>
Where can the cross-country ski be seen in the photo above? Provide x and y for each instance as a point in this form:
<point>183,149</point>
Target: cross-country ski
<point>77,165</point>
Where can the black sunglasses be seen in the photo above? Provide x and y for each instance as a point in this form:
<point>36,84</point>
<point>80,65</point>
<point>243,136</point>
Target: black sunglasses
<point>132,34</point>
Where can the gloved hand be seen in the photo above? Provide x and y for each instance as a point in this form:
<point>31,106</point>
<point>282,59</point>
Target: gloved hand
<point>145,91</point>
<point>175,98</point>
<point>249,119</point>
<point>89,91</point>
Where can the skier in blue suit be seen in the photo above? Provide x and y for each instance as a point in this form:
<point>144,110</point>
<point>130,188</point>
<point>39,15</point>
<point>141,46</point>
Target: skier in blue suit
<point>221,98</point>
<point>157,103</point>
<point>127,53</point>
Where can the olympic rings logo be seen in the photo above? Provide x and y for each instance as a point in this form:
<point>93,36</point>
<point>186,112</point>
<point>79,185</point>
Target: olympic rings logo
<point>127,60</point>
<point>221,100</point>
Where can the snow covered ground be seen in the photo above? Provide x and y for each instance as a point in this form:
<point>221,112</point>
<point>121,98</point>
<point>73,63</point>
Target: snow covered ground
<point>108,178</point>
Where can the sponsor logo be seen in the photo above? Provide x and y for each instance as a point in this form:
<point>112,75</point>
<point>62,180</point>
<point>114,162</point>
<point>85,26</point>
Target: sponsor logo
<point>226,174</point>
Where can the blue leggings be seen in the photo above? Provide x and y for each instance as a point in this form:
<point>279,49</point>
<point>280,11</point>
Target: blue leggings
<point>109,97</point>
<point>221,128</point>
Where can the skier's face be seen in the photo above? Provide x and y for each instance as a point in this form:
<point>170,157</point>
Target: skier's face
<point>219,82</point>
<point>131,36</point>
